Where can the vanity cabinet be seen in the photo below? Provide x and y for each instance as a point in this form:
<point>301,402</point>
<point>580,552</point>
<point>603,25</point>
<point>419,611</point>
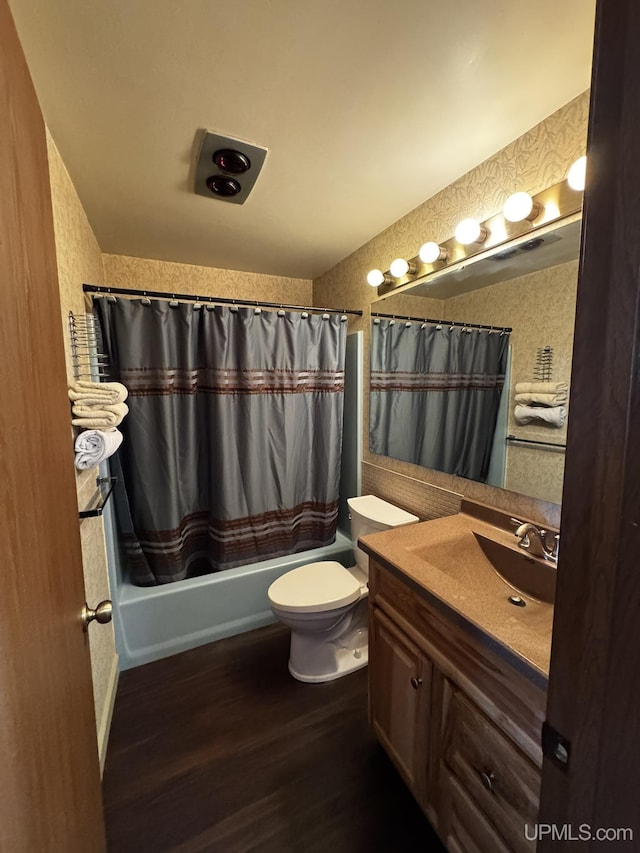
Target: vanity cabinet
<point>400,700</point>
<point>459,721</point>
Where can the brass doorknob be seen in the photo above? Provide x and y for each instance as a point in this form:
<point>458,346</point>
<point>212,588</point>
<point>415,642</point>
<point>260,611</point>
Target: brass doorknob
<point>102,614</point>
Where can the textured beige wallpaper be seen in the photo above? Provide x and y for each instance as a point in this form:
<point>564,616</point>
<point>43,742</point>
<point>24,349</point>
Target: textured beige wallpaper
<point>539,158</point>
<point>80,259</point>
<point>145,274</point>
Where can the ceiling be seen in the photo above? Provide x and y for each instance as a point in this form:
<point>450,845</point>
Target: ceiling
<point>367,108</point>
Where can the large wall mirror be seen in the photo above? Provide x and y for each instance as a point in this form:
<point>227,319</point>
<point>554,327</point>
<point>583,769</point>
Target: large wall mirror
<point>457,362</point>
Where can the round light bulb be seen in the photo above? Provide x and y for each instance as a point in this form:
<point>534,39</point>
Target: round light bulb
<point>577,174</point>
<point>431,252</point>
<point>399,268</point>
<point>470,231</point>
<point>375,278</point>
<point>520,206</point>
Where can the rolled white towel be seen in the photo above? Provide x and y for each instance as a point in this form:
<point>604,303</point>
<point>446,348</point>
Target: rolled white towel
<point>94,446</point>
<point>555,416</point>
<point>90,417</point>
<point>541,399</point>
<point>541,387</point>
<point>91,393</point>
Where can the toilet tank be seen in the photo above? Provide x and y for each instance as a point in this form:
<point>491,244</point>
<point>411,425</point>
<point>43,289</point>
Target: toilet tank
<point>370,514</point>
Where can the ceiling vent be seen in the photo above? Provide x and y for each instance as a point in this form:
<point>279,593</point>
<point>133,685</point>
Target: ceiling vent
<point>227,168</point>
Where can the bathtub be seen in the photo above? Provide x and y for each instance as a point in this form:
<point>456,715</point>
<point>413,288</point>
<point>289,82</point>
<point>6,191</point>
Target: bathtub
<point>155,622</point>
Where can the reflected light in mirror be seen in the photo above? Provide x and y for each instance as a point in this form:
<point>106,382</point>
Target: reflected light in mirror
<point>577,174</point>
<point>470,231</point>
<point>431,252</point>
<point>520,206</point>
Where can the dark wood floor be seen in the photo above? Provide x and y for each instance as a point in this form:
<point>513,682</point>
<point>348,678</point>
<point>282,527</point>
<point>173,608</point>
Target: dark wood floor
<point>219,749</point>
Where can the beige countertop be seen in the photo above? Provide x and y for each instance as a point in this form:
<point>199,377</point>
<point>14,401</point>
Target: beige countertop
<point>444,561</point>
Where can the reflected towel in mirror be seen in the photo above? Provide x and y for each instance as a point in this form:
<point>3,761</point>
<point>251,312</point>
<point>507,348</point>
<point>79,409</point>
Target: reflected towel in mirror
<point>554,416</point>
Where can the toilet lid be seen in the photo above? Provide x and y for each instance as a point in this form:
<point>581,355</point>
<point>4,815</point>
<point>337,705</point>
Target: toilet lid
<point>314,588</point>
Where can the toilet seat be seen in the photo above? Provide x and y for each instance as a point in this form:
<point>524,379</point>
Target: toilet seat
<point>314,588</point>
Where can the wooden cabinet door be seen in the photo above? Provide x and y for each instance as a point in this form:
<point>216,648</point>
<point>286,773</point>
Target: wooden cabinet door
<point>49,774</point>
<point>399,700</point>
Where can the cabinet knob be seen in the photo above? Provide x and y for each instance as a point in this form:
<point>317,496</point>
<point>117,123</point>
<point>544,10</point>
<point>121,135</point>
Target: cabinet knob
<point>416,682</point>
<point>487,780</point>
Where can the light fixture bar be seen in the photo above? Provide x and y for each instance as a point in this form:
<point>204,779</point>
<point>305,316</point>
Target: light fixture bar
<point>553,204</point>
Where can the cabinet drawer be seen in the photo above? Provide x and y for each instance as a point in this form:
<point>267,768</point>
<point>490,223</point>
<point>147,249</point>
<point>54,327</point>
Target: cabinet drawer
<point>491,769</point>
<point>467,830</point>
<point>465,659</point>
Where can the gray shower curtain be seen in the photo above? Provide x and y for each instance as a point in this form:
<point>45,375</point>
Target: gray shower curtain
<point>435,394</point>
<point>232,443</point>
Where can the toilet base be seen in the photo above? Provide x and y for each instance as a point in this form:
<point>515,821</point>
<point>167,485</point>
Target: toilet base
<point>346,662</point>
<point>315,658</point>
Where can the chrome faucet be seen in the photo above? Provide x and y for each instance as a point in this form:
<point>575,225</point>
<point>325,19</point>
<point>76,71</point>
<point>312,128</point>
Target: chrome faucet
<point>537,541</point>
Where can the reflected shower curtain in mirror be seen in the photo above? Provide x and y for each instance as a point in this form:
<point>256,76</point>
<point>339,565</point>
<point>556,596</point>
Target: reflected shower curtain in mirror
<point>232,444</point>
<point>435,394</point>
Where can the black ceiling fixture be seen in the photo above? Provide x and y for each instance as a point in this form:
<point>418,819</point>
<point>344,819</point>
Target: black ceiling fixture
<point>226,168</point>
<point>222,185</point>
<point>231,161</point>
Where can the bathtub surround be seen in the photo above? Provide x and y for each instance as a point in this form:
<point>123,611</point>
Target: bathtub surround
<point>537,159</point>
<point>232,450</point>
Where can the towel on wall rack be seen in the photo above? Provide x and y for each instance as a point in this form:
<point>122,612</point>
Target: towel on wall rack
<point>92,417</point>
<point>93,393</point>
<point>554,416</point>
<point>94,446</point>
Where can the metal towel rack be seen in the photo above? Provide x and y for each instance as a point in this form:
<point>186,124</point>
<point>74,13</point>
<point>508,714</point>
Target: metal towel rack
<point>512,439</point>
<point>87,356</point>
<point>104,487</point>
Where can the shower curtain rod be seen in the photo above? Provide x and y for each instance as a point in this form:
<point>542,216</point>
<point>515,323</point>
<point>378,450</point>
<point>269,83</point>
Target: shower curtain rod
<point>256,303</point>
<point>443,322</point>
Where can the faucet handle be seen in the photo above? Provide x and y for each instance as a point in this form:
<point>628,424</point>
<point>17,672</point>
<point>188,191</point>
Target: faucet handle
<point>516,522</point>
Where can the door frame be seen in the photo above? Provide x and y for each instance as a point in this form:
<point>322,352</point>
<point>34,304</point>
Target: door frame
<point>594,688</point>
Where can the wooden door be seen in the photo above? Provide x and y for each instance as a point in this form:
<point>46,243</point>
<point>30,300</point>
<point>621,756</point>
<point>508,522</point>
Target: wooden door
<point>593,781</point>
<point>400,700</point>
<point>49,774</point>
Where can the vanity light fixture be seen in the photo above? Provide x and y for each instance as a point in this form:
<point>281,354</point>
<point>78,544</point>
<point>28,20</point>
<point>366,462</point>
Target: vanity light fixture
<point>520,207</point>
<point>470,231</point>
<point>523,214</point>
<point>431,252</point>
<point>399,268</point>
<point>376,277</point>
<point>576,176</point>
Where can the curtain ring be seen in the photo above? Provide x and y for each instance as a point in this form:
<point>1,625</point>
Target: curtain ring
<point>145,299</point>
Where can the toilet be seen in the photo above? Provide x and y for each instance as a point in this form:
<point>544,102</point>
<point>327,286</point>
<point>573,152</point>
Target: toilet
<point>325,605</point>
